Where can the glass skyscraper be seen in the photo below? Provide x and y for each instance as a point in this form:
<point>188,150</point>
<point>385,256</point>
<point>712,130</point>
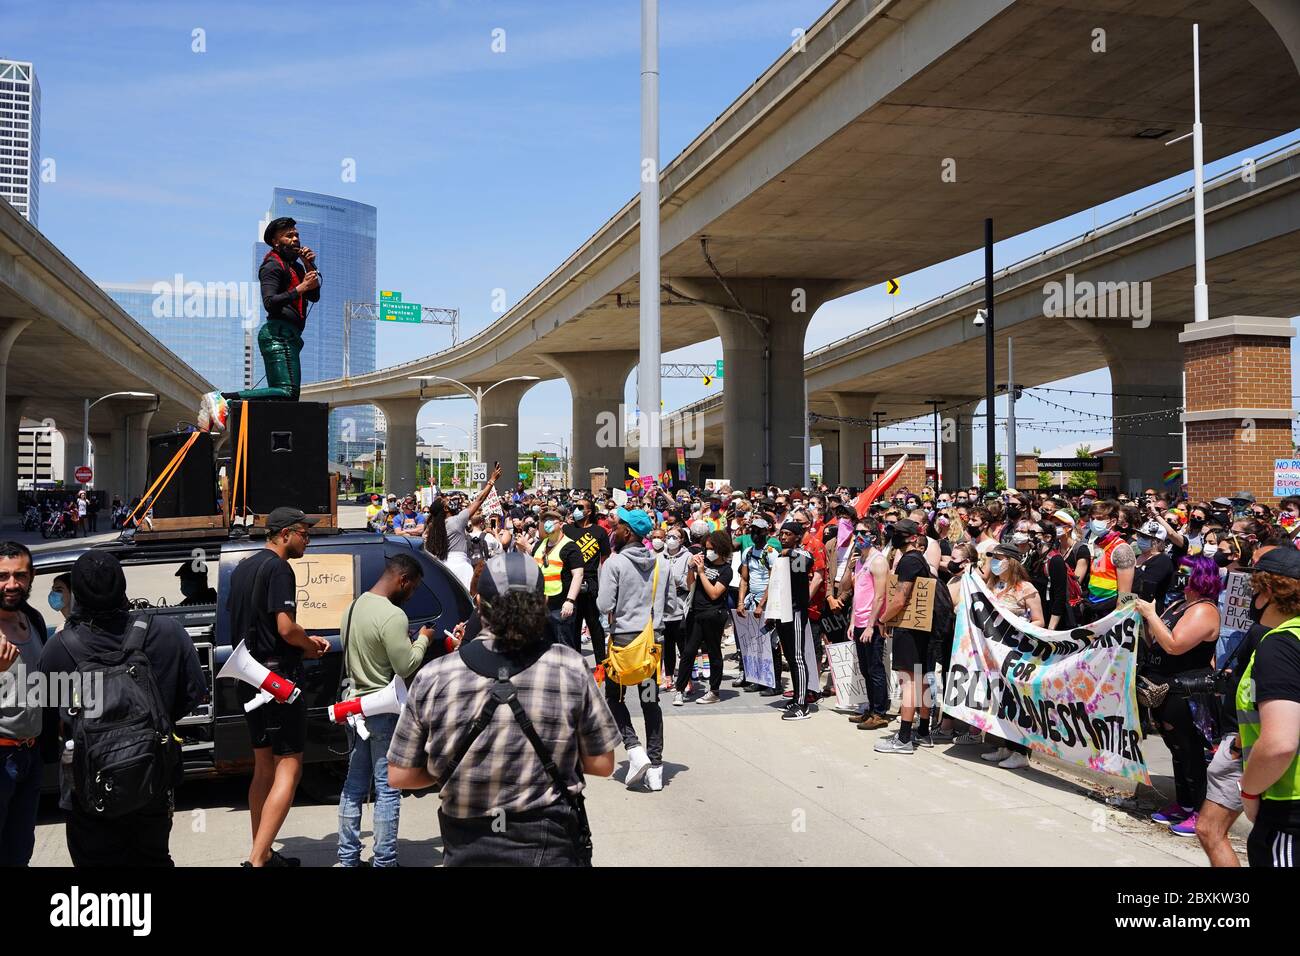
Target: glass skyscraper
<point>20,137</point>
<point>342,234</point>
<point>201,323</point>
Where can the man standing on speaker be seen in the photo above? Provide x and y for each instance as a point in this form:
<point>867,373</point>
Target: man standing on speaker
<point>263,614</point>
<point>288,289</point>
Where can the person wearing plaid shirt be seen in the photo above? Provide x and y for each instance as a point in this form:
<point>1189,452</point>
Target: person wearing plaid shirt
<point>499,806</point>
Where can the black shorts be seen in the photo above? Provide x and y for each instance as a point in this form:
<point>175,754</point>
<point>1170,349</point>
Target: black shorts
<point>910,651</point>
<point>282,727</point>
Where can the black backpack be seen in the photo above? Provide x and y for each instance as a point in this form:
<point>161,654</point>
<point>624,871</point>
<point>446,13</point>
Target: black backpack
<point>123,757</point>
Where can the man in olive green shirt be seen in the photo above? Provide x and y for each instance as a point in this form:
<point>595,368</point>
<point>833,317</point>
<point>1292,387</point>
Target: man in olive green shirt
<point>377,647</point>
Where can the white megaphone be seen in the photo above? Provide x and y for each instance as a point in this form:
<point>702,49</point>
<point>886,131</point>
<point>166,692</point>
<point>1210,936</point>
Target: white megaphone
<point>270,686</point>
<point>390,700</point>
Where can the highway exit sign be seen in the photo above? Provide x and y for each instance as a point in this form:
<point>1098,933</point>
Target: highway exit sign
<point>390,311</point>
<point>387,296</point>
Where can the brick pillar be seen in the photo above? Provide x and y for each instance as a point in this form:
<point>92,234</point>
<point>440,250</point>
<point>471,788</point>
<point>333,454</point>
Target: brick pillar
<point>913,476</point>
<point>1238,404</point>
<point>1027,472</point>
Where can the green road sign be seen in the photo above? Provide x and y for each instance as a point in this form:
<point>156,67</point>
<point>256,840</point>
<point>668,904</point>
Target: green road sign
<point>399,312</point>
<point>718,373</point>
<point>387,296</point>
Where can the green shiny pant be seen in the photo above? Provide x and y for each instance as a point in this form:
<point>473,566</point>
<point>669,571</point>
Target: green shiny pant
<point>280,345</point>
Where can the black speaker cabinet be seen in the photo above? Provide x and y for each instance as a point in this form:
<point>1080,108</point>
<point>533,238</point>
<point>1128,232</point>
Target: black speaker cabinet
<point>192,490</point>
<point>288,455</point>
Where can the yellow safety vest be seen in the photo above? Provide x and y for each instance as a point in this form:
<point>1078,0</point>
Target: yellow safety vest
<point>551,564</point>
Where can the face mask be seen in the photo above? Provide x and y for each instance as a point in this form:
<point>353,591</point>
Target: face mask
<point>997,566</point>
<point>1223,559</point>
<point>1099,526</point>
<point>578,514</point>
<point>1210,550</point>
<point>548,526</point>
<point>711,555</point>
<point>56,600</point>
<point>975,530</point>
<point>1142,545</point>
<point>759,538</point>
<point>657,544</point>
<point>674,543</point>
<point>537,509</point>
<point>1019,538</point>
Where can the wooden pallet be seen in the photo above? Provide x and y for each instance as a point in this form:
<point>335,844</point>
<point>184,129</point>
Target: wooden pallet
<point>327,523</point>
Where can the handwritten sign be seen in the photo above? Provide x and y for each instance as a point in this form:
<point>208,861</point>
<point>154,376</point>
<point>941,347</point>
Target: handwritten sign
<point>326,586</point>
<point>846,676</point>
<point>1286,477</point>
<point>755,646</point>
<point>1236,603</point>
<point>919,613</point>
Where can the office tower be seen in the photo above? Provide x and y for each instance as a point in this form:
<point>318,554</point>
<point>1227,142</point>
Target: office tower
<point>342,234</point>
<point>20,137</point>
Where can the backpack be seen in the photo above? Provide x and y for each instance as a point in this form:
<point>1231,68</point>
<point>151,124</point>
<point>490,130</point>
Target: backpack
<point>123,756</point>
<point>638,661</point>
<point>476,549</point>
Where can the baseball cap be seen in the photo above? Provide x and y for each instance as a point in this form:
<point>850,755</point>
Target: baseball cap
<point>699,529</point>
<point>285,517</point>
<point>638,521</point>
<point>1284,562</point>
<point>510,571</point>
<point>1153,529</point>
<point>1006,551</point>
<point>1062,517</point>
<point>1245,496</point>
<point>907,526</point>
<point>759,522</point>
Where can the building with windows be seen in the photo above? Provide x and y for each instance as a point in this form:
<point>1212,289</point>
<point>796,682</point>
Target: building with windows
<point>20,137</point>
<point>342,234</point>
<point>203,323</point>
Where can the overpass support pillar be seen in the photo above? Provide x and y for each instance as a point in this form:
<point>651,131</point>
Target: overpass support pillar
<point>855,437</point>
<point>1238,410</point>
<point>125,464</point>
<point>597,381</point>
<point>400,474</point>
<point>74,453</point>
<point>10,329</point>
<point>501,408</point>
<point>765,409</point>
<point>956,442</point>
<point>1146,376</point>
<point>830,445</point>
<point>1283,17</point>
<point>108,472</point>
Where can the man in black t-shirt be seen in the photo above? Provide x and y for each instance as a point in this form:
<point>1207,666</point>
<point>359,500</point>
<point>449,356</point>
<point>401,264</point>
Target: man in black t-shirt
<point>593,542</point>
<point>911,647</point>
<point>263,615</point>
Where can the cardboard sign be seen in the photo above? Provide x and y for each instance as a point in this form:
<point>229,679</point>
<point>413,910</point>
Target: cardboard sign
<point>715,484</point>
<point>326,586</point>
<point>919,613</point>
<point>846,676</point>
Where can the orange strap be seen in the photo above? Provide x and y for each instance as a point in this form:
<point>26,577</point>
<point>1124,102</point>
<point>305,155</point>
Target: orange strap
<point>239,483</point>
<point>164,478</point>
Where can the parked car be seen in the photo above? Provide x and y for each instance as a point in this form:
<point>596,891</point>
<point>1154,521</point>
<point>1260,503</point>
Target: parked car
<point>215,736</point>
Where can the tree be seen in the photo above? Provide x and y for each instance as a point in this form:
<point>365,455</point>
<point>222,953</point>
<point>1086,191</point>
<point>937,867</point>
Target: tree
<point>1080,480</point>
<point>999,477</point>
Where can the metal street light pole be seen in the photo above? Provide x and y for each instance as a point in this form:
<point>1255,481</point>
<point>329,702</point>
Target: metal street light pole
<point>989,386</point>
<point>477,394</point>
<point>85,419</point>
<point>650,457</point>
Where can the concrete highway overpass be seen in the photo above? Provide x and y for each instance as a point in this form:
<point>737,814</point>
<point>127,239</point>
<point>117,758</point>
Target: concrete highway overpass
<point>935,352</point>
<point>63,340</point>
<point>875,150</point>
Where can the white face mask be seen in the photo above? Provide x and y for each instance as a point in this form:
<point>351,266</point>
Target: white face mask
<point>711,555</point>
<point>657,543</point>
<point>1210,550</point>
<point>674,543</point>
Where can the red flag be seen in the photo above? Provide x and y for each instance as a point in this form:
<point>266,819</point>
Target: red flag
<point>879,487</point>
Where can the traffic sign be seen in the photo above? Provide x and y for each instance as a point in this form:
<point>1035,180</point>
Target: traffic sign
<point>84,474</point>
<point>892,287</point>
<point>718,373</point>
<point>708,380</point>
<point>390,311</point>
<point>478,471</point>
<point>388,296</point>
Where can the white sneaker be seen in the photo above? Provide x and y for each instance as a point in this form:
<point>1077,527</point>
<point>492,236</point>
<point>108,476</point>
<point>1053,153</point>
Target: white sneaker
<point>679,700</point>
<point>654,778</point>
<point>709,698</point>
<point>1014,762</point>
<point>638,762</point>
<point>996,756</point>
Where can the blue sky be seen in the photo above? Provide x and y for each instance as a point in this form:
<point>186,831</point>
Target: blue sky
<point>487,168</point>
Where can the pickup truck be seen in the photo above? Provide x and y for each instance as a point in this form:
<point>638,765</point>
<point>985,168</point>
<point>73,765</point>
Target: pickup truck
<point>214,738</point>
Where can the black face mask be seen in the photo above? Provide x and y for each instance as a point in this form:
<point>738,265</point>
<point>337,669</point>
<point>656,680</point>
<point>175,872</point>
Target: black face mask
<point>759,539</point>
<point>1222,559</point>
<point>898,539</point>
<point>1257,613</point>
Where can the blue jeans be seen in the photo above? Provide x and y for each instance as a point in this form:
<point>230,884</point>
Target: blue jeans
<point>369,764</point>
<point>20,795</point>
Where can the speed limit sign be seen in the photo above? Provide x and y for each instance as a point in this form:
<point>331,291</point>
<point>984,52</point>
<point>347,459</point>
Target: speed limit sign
<point>478,471</point>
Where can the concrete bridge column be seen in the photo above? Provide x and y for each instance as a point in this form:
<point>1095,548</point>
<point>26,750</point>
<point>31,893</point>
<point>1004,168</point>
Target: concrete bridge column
<point>399,468</point>
<point>501,407</point>
<point>830,445</point>
<point>1146,375</point>
<point>855,439</point>
<point>763,381</point>
<point>109,475</point>
<point>1284,17</point>
<point>135,452</point>
<point>10,329</point>
<point>74,454</point>
<point>597,381</point>
<point>957,455</point>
